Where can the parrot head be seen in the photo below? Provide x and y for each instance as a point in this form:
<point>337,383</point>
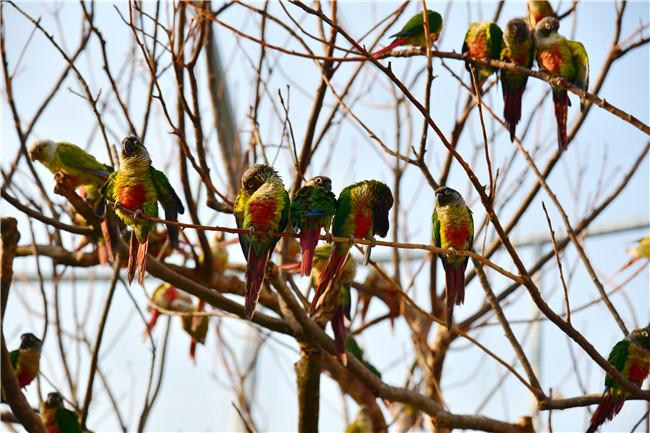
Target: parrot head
<point>132,147</point>
<point>435,21</point>
<point>381,202</point>
<point>54,400</point>
<point>256,176</point>
<point>30,341</point>
<point>547,27</point>
<point>446,196</point>
<point>517,31</point>
<point>322,181</point>
<point>42,150</point>
<point>641,337</point>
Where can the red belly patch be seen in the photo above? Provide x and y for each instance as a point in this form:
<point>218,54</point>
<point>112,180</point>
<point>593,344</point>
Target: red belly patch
<point>362,224</point>
<point>638,373</point>
<point>456,236</point>
<point>551,61</point>
<point>262,212</point>
<point>132,196</point>
<point>24,378</point>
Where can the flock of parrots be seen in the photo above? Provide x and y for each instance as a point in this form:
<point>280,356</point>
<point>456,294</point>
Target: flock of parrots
<point>263,209</point>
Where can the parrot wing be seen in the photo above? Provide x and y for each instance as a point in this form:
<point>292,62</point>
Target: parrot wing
<point>470,241</point>
<point>436,229</point>
<point>343,210</point>
<point>14,356</point>
<point>239,212</point>
<point>413,27</point>
<point>107,191</point>
<point>581,61</point>
<point>494,40</point>
<point>617,357</point>
<point>170,202</point>
<point>67,421</point>
<point>74,156</point>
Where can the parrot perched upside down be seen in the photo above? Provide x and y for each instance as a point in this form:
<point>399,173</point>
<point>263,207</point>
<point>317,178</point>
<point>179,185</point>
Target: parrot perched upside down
<point>362,212</point>
<point>562,58</point>
<point>262,205</point>
<point>58,419</point>
<point>311,210</point>
<point>518,48</point>
<point>483,41</point>
<point>453,227</point>
<point>138,187</point>
<point>631,357</point>
<point>413,32</point>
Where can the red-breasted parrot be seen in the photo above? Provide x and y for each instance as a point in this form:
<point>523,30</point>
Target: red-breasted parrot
<point>453,227</point>
<point>312,209</point>
<point>56,417</point>
<point>413,32</point>
<point>26,359</point>
<point>538,10</point>
<point>563,58</point>
<point>362,212</point>
<point>262,206</point>
<point>483,41</point>
<point>518,48</point>
<point>631,357</point>
<point>138,187</point>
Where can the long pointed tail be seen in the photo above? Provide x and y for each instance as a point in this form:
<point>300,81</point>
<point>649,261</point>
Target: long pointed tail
<point>133,252</point>
<point>142,260</point>
<point>512,108</point>
<point>396,43</point>
<point>193,351</point>
<point>454,288</point>
<point>331,271</point>
<point>308,242</point>
<point>255,268</point>
<point>340,335</point>
<point>561,104</point>
<point>606,410</point>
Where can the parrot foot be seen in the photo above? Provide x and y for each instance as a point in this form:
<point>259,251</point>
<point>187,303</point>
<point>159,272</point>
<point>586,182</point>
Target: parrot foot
<point>452,251</point>
<point>373,242</point>
<point>137,213</point>
<point>269,233</point>
<point>251,231</point>
<point>352,240</point>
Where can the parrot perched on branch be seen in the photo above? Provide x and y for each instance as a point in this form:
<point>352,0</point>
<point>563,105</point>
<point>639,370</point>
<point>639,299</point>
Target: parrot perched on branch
<point>631,357</point>
<point>362,212</point>
<point>483,41</point>
<point>538,10</point>
<point>518,48</point>
<point>138,187</point>
<point>565,59</point>
<point>312,209</point>
<point>413,32</point>
<point>26,359</point>
<point>262,205</point>
<point>58,419</point>
<point>453,227</point>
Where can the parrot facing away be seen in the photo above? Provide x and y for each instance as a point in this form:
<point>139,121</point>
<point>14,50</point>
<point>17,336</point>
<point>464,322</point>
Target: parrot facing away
<point>538,10</point>
<point>58,419</point>
<point>562,58</point>
<point>26,359</point>
<point>336,303</point>
<point>413,32</point>
<point>262,205</point>
<point>312,209</point>
<point>362,212</point>
<point>518,48</point>
<point>138,187</point>
<point>483,41</point>
<point>631,357</point>
<point>453,227</point>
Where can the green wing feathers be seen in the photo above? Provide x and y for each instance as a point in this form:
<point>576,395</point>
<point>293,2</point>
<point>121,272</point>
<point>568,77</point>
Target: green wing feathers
<point>436,229</point>
<point>494,40</point>
<point>617,357</point>
<point>170,202</point>
<point>76,158</point>
<point>67,421</point>
<point>14,356</point>
<point>581,61</point>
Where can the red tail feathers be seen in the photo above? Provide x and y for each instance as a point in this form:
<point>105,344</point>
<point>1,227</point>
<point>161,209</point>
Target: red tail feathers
<point>152,322</point>
<point>193,350</point>
<point>606,410</point>
<point>133,252</point>
<point>561,104</point>
<point>396,43</point>
<point>512,108</point>
<point>331,271</point>
<point>454,288</point>
<point>340,335</point>
<point>142,260</point>
<point>308,242</point>
<point>255,268</point>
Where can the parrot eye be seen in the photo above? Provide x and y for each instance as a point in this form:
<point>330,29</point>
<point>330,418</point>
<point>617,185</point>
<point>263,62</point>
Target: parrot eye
<point>319,180</point>
<point>250,184</point>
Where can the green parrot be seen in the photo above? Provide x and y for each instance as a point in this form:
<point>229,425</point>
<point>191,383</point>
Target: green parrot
<point>413,32</point>
<point>262,205</point>
<point>26,359</point>
<point>362,422</point>
<point>58,419</point>
<point>631,357</point>
<point>453,227</point>
<point>362,212</point>
<point>312,209</point>
<point>337,301</point>
<point>353,347</point>
<point>138,187</point>
<point>483,41</point>
<point>518,48</point>
<point>537,10</point>
<point>563,58</point>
